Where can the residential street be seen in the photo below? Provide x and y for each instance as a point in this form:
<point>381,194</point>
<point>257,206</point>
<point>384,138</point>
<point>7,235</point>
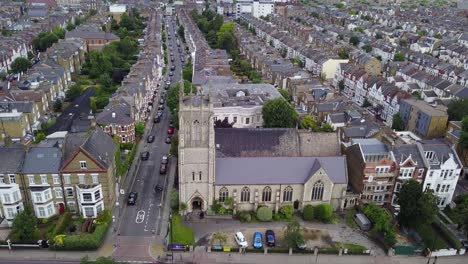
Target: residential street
<point>142,221</point>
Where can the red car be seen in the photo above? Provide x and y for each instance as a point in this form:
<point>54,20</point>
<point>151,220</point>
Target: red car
<point>170,131</point>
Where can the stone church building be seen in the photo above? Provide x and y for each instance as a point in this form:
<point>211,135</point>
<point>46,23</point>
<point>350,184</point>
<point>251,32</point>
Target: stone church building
<point>255,166</point>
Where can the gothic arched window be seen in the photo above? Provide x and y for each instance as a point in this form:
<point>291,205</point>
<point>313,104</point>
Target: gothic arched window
<point>245,194</point>
<point>317,191</point>
<point>287,194</point>
<point>266,194</point>
<point>223,194</point>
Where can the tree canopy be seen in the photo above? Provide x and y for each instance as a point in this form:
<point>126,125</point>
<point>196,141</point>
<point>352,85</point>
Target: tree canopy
<point>457,109</point>
<point>24,225</point>
<point>293,234</point>
<point>399,57</point>
<point>354,40</point>
<point>398,123</point>
<point>20,65</point>
<point>417,207</point>
<point>279,113</point>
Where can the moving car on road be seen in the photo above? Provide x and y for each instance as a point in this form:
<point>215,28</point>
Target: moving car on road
<point>240,240</point>
<point>164,159</point>
<point>132,197</point>
<point>150,139</point>
<point>168,140</point>
<point>257,240</point>
<point>170,131</point>
<point>145,155</point>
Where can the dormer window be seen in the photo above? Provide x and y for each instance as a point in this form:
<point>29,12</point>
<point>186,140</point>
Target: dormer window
<point>83,165</point>
<point>429,155</point>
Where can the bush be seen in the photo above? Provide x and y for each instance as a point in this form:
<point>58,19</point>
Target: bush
<point>287,212</point>
<point>430,238</point>
<point>216,207</point>
<point>61,225</point>
<point>244,216</point>
<point>264,214</point>
<point>447,235</point>
<point>174,200</point>
<point>308,213</point>
<point>323,213</point>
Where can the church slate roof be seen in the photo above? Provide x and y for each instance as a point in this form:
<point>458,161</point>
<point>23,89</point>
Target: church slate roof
<point>274,142</point>
<point>278,170</point>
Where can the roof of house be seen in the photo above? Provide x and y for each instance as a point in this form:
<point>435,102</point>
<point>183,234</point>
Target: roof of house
<point>115,114</point>
<point>278,170</point>
<point>42,160</point>
<point>101,146</point>
<point>90,33</point>
<point>274,142</point>
<point>403,152</point>
<point>441,151</point>
<point>11,160</point>
<point>371,146</point>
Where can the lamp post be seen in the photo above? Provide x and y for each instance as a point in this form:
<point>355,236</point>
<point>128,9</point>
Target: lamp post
<point>170,235</point>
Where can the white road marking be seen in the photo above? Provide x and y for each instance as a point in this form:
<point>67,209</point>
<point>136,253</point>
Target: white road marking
<point>140,217</point>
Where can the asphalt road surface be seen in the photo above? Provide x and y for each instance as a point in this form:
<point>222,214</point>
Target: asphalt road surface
<point>140,222</point>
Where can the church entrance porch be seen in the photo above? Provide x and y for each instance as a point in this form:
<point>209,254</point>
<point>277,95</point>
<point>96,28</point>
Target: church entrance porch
<point>197,204</point>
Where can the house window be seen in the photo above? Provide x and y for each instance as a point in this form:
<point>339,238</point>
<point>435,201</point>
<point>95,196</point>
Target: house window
<point>193,176</point>
<point>89,211</point>
<point>16,196</point>
<point>58,193</point>
<point>12,178</point>
<point>81,178</point>
<point>95,178</point>
<point>6,198</point>
<point>245,194</point>
<point>50,210</point>
<point>43,179</point>
<point>72,206</point>
<point>397,187</point>
<point>235,119</point>
<point>31,179</point>
<point>420,172</point>
<point>247,121</point>
<point>317,191</point>
<point>223,194</point>
<point>38,197</point>
<point>2,179</point>
<point>97,195</point>
<point>69,192</point>
<point>428,186</point>
<point>66,179</point>
<point>83,165</point>
<point>10,213</point>
<point>99,208</point>
<point>438,188</point>
<point>287,194</point>
<point>55,179</point>
<point>87,197</point>
<point>41,212</point>
<point>266,194</point>
<point>48,195</point>
<point>199,175</point>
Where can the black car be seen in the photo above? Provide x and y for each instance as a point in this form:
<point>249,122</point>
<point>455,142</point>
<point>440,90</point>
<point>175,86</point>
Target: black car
<point>132,197</point>
<point>157,119</point>
<point>270,238</point>
<point>171,73</point>
<point>150,139</point>
<point>168,140</point>
<point>145,155</point>
<point>161,107</point>
<point>172,67</point>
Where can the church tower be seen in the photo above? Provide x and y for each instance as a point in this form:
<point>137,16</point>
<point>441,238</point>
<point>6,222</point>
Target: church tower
<point>196,151</point>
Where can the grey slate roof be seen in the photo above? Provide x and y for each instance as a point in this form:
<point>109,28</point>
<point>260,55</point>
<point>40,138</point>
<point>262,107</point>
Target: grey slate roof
<point>100,146</point>
<point>72,142</point>
<point>277,170</point>
<point>42,160</point>
<point>11,160</point>
<point>21,107</point>
<point>274,142</point>
<point>122,115</point>
<point>442,152</point>
<point>371,146</point>
<point>402,152</point>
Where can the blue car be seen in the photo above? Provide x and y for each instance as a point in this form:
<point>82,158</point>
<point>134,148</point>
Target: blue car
<point>257,240</point>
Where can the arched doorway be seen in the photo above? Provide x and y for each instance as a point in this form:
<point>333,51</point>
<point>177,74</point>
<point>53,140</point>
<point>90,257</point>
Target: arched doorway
<point>197,204</point>
<point>296,205</point>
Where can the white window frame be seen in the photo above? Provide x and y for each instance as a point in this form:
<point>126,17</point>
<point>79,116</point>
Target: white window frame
<point>72,191</point>
<point>67,178</point>
<point>56,179</point>
<point>31,179</point>
<point>16,196</point>
<point>12,178</point>
<point>2,178</point>
<point>83,165</point>
<point>81,178</point>
<point>95,178</point>
<point>6,198</point>
<point>58,193</point>
<point>43,179</point>
<point>41,212</point>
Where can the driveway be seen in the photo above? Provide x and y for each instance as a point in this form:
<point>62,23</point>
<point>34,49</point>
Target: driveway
<point>319,234</point>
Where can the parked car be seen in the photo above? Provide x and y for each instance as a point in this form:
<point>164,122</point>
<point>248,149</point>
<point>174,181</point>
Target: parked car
<point>161,101</point>
<point>159,187</point>
<point>240,240</point>
<point>172,67</point>
<point>161,107</point>
<point>171,73</point>
<point>162,169</point>
<point>150,139</point>
<point>157,119</point>
<point>168,83</point>
<point>170,131</point>
<point>168,140</point>
<point>257,240</point>
<point>362,221</point>
<point>270,238</point>
<point>145,155</point>
<point>164,159</point>
<point>132,197</point>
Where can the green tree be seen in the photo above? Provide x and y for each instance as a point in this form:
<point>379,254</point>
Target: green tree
<point>20,65</point>
<point>105,80</point>
<point>39,137</point>
<point>354,40</point>
<point>182,207</point>
<point>70,26</point>
<point>285,95</point>
<point>93,105</point>
<point>399,56</point>
<point>417,207</point>
<point>308,213</point>
<point>174,144</point>
<point>24,225</point>
<point>457,109</point>
<point>323,213</point>
<point>219,237</point>
<point>403,42</point>
<point>264,214</point>
<point>59,32</point>
<point>461,212</point>
<point>343,54</point>
<point>140,129</point>
<point>187,73</point>
<point>73,92</point>
<point>293,234</point>
<point>438,36</point>
<point>308,122</point>
<point>3,75</point>
<point>367,48</point>
<point>327,128</point>
<point>174,200</point>
<point>398,123</point>
<point>279,113</point>
<point>57,105</point>
<point>366,103</point>
<point>287,212</point>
